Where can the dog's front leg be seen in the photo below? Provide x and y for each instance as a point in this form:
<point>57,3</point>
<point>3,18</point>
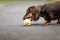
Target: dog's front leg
<point>47,22</point>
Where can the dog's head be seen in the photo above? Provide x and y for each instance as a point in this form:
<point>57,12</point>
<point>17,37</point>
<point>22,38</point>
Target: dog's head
<point>32,13</point>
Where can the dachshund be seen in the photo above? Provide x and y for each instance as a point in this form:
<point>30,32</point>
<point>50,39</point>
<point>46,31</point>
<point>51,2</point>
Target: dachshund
<point>49,12</point>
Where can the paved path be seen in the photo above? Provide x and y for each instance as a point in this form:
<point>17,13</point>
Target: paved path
<point>12,28</point>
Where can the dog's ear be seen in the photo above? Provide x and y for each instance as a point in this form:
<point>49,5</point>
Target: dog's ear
<point>38,10</point>
<point>36,17</point>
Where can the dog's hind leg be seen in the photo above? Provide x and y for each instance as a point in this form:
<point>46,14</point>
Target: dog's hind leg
<point>58,21</point>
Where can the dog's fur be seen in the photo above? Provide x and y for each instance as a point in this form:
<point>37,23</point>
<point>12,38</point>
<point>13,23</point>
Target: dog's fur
<point>50,11</point>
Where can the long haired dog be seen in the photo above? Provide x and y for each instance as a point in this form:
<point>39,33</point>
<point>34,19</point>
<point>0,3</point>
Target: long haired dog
<point>49,12</point>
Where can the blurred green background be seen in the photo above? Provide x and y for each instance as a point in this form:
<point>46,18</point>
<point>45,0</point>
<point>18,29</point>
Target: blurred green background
<point>9,1</point>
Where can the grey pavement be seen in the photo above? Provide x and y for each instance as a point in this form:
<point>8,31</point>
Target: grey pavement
<point>12,27</point>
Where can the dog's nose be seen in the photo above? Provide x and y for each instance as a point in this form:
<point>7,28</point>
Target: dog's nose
<point>23,18</point>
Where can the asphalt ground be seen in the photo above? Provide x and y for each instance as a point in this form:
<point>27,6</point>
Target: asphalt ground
<point>12,27</point>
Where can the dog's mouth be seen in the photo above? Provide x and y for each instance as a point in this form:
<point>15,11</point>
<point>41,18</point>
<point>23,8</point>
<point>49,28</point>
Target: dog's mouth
<point>30,18</point>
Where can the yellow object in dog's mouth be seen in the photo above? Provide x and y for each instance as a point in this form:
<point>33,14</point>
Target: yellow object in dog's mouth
<point>27,22</point>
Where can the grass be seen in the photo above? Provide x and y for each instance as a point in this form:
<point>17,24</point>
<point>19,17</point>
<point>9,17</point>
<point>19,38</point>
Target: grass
<point>52,0</point>
<point>9,1</point>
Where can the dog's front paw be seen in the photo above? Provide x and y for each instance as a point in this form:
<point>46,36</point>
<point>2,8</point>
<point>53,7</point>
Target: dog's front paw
<point>47,23</point>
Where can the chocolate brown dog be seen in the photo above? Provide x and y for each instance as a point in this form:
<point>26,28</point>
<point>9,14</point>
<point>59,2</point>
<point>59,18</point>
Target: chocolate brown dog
<point>49,12</point>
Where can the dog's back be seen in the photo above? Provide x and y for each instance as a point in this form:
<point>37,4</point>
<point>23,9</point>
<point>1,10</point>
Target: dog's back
<point>53,9</point>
